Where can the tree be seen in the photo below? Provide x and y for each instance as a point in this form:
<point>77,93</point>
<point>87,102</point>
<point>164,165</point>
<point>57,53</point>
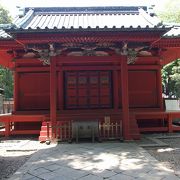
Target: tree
<point>4,16</point>
<point>6,77</point>
<point>6,81</point>
<point>171,72</point>
<point>176,78</point>
<point>171,79</point>
<point>171,12</point>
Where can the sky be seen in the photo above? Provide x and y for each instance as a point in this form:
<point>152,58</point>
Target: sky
<point>11,5</point>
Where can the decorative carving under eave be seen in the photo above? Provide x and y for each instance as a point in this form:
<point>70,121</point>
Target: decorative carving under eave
<point>44,52</point>
<point>89,53</point>
<point>131,56</point>
<point>45,58</point>
<point>129,52</point>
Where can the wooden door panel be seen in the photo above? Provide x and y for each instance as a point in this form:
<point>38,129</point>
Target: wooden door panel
<point>94,100</point>
<point>82,92</point>
<point>34,91</point>
<point>72,101</point>
<point>104,91</point>
<point>82,101</point>
<point>105,100</point>
<point>71,92</point>
<point>94,92</point>
<point>91,89</point>
<point>143,89</point>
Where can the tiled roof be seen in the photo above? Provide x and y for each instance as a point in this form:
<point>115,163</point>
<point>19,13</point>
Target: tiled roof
<point>4,35</point>
<point>90,18</point>
<point>174,32</point>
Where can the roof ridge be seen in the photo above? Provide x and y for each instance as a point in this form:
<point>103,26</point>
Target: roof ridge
<point>102,9</point>
<point>21,21</point>
<point>41,20</point>
<point>4,35</point>
<point>152,20</point>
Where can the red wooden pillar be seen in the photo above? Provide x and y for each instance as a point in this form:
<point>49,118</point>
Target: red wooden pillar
<point>170,123</point>
<point>115,89</point>
<point>16,80</point>
<point>60,90</point>
<point>53,94</point>
<point>125,99</point>
<point>159,87</point>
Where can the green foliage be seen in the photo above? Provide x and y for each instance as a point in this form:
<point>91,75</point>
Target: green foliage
<point>176,77</point>
<point>6,78</point>
<point>171,12</point>
<point>6,82</point>
<point>171,79</point>
<point>4,17</point>
<point>171,71</point>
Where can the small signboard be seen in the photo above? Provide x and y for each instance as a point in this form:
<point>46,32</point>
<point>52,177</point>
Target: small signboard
<point>172,105</point>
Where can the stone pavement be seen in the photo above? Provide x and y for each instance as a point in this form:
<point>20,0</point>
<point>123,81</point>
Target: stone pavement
<point>93,161</point>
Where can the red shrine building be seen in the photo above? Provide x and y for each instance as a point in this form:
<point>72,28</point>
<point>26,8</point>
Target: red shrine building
<point>88,72</point>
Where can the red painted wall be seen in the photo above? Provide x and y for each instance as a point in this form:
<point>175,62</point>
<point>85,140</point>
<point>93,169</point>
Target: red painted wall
<point>34,82</point>
<point>143,89</point>
<point>34,91</point>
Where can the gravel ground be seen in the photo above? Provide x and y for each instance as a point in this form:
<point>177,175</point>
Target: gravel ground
<point>9,164</point>
<point>169,156</point>
<point>15,152</point>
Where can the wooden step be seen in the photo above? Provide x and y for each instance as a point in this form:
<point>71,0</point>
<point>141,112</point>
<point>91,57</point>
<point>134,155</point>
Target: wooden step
<point>43,132</point>
<point>134,129</point>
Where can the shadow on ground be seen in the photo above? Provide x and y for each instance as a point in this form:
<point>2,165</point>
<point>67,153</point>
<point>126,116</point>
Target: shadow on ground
<point>112,160</point>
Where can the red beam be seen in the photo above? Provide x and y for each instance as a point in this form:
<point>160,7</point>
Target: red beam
<point>33,61</point>
<point>27,118</point>
<point>153,129</point>
<point>143,67</point>
<point>168,42</point>
<point>152,115</point>
<point>32,69</point>
<point>22,132</point>
<point>10,44</point>
<point>86,59</point>
<point>92,37</point>
<point>70,68</point>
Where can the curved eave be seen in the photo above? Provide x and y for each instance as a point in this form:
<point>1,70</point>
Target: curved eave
<point>6,39</point>
<point>88,29</point>
<point>168,43</point>
<point>6,44</point>
<point>172,37</point>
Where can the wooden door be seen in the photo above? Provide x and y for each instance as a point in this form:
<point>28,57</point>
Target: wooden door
<point>88,89</point>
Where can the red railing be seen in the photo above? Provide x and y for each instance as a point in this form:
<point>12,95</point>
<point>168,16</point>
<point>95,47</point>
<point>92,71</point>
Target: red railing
<point>7,123</point>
